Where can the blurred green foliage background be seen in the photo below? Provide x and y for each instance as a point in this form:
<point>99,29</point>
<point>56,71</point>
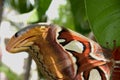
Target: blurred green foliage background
<point>102,17</point>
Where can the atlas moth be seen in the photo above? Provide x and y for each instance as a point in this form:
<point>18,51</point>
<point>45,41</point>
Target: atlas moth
<point>63,54</point>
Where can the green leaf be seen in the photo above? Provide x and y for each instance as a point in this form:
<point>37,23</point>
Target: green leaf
<point>9,74</point>
<point>39,11</point>
<point>65,17</point>
<point>104,18</point>
<point>79,15</point>
<point>22,6</point>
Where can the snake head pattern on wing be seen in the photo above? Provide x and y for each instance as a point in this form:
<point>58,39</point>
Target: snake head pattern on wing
<point>60,53</point>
